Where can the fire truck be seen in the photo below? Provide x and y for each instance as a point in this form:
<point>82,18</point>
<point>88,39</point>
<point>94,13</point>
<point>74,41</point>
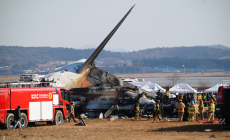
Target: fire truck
<point>50,104</point>
<point>223,106</point>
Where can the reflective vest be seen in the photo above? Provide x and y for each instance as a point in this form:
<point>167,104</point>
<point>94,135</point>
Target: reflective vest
<point>72,109</point>
<point>137,109</point>
<point>168,94</point>
<point>201,107</point>
<point>204,98</point>
<point>214,99</point>
<point>157,107</point>
<point>211,108</point>
<point>180,107</point>
<point>198,98</point>
<point>196,108</point>
<point>191,109</point>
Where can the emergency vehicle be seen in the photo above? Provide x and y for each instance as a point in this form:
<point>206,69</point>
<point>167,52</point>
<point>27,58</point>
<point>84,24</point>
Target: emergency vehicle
<point>50,104</point>
<point>223,106</point>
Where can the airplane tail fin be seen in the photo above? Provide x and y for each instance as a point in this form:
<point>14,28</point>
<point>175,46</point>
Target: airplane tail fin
<point>91,59</point>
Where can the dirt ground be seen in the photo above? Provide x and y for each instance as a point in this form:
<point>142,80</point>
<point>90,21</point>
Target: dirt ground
<point>125,129</point>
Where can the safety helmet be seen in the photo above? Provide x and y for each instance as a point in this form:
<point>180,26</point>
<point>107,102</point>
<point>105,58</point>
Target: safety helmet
<point>180,100</point>
<point>211,100</point>
<point>158,101</point>
<point>72,102</point>
<point>201,100</point>
<point>193,98</point>
<point>192,102</point>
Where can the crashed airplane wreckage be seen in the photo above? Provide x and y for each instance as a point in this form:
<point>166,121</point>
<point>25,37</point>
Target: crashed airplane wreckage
<point>95,90</point>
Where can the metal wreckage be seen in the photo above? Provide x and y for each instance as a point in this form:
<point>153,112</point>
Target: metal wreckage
<point>95,90</point>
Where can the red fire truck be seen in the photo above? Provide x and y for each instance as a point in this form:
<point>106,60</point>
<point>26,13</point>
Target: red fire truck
<point>51,104</point>
<point>223,106</point>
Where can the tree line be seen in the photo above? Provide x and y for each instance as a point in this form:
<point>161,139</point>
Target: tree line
<point>193,57</point>
<point>190,63</point>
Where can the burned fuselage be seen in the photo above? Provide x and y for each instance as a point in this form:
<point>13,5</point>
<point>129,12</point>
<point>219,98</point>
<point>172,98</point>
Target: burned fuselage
<point>95,90</point>
<point>107,91</point>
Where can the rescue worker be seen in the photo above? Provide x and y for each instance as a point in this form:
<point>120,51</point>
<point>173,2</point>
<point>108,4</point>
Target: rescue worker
<point>204,99</point>
<point>137,110</point>
<point>167,93</point>
<point>211,110</point>
<point>156,108</point>
<point>72,116</point>
<point>17,118</point>
<point>180,107</point>
<point>196,111</point>
<point>213,98</point>
<point>181,96</point>
<point>194,100</point>
<point>208,99</point>
<point>189,98</point>
<point>198,97</point>
<point>201,109</point>
<point>191,111</point>
<point>184,100</point>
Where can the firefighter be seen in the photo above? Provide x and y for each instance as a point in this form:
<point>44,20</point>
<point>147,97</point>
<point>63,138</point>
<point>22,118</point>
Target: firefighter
<point>213,98</point>
<point>181,96</point>
<point>198,97</point>
<point>156,108</point>
<point>17,118</point>
<point>193,97</point>
<point>167,93</point>
<point>72,116</point>
<point>211,110</point>
<point>191,111</point>
<point>137,110</point>
<point>196,111</point>
<point>180,107</point>
<point>201,109</point>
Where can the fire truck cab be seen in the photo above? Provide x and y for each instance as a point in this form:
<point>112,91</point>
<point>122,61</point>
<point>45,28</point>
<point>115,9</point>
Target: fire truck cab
<point>51,104</point>
<point>223,106</point>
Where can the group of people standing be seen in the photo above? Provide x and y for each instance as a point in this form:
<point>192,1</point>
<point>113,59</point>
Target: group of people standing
<point>188,97</point>
<point>196,107</point>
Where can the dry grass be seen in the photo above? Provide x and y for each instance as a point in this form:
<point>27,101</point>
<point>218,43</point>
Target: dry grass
<point>120,129</point>
<point>9,77</point>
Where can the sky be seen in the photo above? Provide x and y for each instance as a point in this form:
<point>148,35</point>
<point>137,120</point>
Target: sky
<point>77,23</point>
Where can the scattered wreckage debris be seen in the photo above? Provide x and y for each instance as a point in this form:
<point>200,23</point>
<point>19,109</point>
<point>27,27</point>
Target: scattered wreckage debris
<point>113,117</point>
<point>101,116</point>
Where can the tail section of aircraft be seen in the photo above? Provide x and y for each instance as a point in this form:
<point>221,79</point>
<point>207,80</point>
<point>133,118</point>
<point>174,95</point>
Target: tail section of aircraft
<point>91,59</point>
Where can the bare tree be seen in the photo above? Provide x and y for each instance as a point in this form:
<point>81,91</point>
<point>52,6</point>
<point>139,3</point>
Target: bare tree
<point>174,79</point>
<point>204,84</point>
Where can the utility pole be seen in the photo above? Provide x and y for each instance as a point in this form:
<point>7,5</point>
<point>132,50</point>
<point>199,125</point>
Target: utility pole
<point>184,72</point>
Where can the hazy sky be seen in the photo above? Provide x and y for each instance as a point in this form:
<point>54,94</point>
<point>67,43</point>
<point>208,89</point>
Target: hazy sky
<point>152,23</point>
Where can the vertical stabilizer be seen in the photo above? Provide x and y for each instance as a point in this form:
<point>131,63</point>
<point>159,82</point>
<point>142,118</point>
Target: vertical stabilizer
<point>91,59</point>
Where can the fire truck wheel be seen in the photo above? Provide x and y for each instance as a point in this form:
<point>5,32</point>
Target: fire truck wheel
<point>24,120</point>
<point>10,121</point>
<point>58,118</point>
